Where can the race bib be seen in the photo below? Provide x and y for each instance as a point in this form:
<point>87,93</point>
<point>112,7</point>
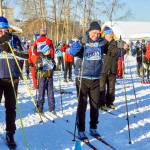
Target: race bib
<point>47,65</point>
<point>67,50</point>
<point>92,51</point>
<point>39,44</point>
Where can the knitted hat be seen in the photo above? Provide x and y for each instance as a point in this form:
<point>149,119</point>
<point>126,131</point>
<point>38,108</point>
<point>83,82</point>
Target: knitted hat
<point>94,26</point>
<point>44,48</point>
<point>60,42</point>
<point>23,38</point>
<point>43,31</point>
<point>107,30</point>
<point>70,42</point>
<point>36,36</point>
<point>3,22</point>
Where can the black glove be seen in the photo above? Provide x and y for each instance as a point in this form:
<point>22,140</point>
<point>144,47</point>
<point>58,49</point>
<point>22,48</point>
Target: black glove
<point>84,40</point>
<point>5,47</point>
<point>6,37</point>
<point>39,66</point>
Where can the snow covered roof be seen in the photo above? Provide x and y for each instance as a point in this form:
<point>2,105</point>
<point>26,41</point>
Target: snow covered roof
<point>14,29</point>
<point>127,28</point>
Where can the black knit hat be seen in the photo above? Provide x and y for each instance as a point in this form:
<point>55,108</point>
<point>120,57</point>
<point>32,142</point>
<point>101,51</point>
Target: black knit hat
<point>94,26</point>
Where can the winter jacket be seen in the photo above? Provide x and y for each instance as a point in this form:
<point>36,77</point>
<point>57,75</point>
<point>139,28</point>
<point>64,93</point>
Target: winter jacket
<point>59,53</point>
<point>68,57</point>
<point>92,58</point>
<point>32,55</point>
<point>139,50</point>
<point>147,55</point>
<point>4,71</point>
<point>43,41</point>
<point>39,66</point>
<point>110,58</point>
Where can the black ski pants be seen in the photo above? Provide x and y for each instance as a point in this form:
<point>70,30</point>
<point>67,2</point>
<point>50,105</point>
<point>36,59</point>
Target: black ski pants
<point>107,97</point>
<point>68,66</point>
<point>61,61</point>
<point>10,102</point>
<point>89,87</point>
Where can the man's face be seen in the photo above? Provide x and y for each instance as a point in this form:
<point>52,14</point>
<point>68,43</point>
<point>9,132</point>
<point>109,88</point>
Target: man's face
<point>109,37</point>
<point>2,31</point>
<point>94,35</point>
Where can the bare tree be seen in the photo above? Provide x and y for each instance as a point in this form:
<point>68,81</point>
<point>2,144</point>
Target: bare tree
<point>111,7</point>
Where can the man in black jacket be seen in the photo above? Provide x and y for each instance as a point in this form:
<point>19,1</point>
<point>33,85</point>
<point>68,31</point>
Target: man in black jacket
<point>109,70</point>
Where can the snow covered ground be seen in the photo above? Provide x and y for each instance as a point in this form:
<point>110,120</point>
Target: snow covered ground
<point>113,129</point>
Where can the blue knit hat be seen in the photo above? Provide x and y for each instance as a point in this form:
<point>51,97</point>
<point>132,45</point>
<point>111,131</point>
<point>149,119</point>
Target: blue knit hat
<point>70,42</point>
<point>107,30</point>
<point>60,42</point>
<point>36,36</point>
<point>3,22</point>
<point>23,38</point>
<point>44,48</point>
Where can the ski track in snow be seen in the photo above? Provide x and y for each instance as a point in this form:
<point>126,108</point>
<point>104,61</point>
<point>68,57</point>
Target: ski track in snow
<point>113,129</point>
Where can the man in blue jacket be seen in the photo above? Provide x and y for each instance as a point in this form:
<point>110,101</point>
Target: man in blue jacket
<point>89,51</point>
<point>5,80</point>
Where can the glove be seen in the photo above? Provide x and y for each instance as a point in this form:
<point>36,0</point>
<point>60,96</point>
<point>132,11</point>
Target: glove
<point>5,47</point>
<point>38,66</point>
<point>6,37</point>
<point>84,40</point>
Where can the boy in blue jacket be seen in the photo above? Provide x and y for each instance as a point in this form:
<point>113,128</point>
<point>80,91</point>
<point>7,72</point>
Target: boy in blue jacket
<point>89,51</point>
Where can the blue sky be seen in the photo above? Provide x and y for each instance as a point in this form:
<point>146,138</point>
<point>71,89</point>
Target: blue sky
<point>140,10</point>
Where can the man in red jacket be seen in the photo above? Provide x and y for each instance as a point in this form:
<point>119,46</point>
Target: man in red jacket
<point>68,61</point>
<point>43,40</point>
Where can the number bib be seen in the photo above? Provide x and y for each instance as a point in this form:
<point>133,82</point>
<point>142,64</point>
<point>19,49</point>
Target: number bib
<point>39,44</point>
<point>47,65</point>
<point>67,50</point>
<point>92,51</point>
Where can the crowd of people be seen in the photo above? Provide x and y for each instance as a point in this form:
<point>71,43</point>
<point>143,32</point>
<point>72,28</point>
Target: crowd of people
<point>99,61</point>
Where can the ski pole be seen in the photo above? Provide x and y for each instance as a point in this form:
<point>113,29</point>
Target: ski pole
<point>60,91</point>
<point>134,90</point>
<point>76,121</point>
<point>126,102</point>
<point>12,82</point>
<point>25,81</point>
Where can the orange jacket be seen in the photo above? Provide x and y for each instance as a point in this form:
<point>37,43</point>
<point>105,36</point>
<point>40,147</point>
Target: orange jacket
<point>32,55</point>
<point>147,55</point>
<point>68,57</point>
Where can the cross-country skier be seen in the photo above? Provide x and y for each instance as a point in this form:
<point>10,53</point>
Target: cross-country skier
<point>89,51</point>
<point>109,70</point>
<point>32,60</point>
<point>6,87</point>
<point>46,66</point>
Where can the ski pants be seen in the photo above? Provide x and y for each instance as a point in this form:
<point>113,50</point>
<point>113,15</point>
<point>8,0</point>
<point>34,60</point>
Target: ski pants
<point>43,85</point>
<point>61,61</point>
<point>33,73</point>
<point>10,102</point>
<point>27,68</point>
<point>68,66</point>
<point>89,87</point>
<point>107,97</point>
